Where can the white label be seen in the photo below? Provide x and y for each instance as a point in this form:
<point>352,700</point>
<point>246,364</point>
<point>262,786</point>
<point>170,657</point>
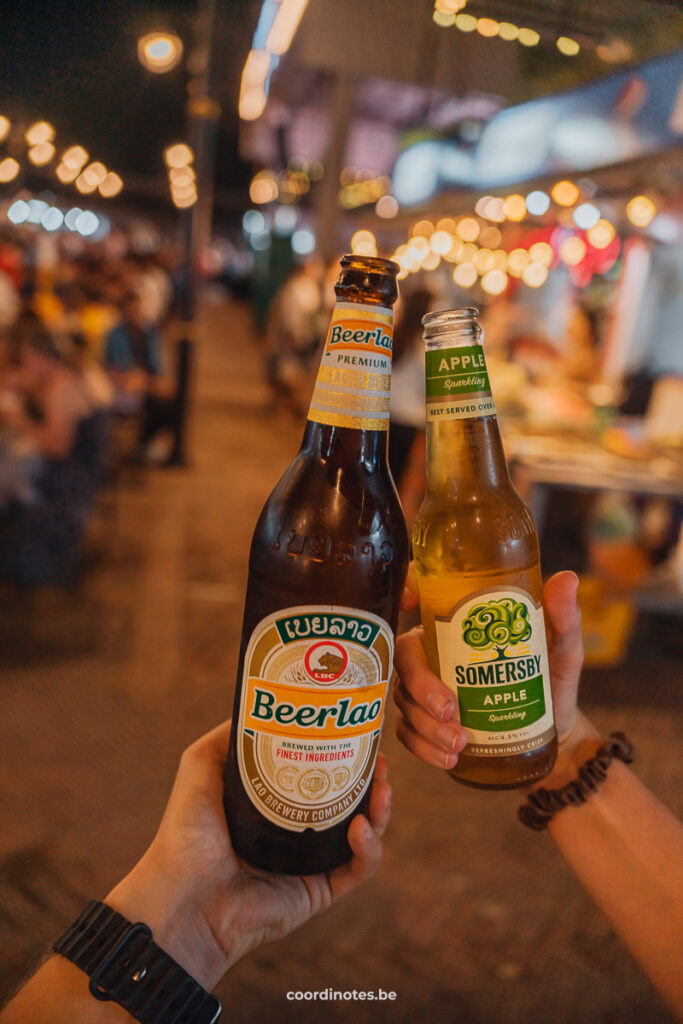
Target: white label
<point>493,656</point>
<point>313,693</point>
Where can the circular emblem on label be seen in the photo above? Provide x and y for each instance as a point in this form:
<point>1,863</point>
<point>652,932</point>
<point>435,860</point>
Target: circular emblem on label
<point>314,783</point>
<point>326,661</point>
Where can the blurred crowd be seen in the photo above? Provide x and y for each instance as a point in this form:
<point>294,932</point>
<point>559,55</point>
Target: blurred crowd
<point>82,365</point>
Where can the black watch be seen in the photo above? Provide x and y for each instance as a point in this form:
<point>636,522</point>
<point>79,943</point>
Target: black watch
<point>125,965</point>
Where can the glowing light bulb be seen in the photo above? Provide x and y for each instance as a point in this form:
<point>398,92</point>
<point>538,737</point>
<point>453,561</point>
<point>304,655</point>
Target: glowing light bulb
<point>640,211</point>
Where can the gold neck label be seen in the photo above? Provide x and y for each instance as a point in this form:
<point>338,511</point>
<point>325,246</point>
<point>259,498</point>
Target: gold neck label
<point>353,387</point>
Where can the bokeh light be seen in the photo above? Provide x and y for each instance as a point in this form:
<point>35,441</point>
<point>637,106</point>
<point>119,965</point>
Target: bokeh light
<point>364,243</point>
<point>494,282</point>
<point>601,235</point>
<point>386,207</point>
<point>542,253</point>
<point>517,260</point>
<point>41,154</point>
<point>160,51</point>
<point>586,216</point>
<point>535,274</point>
<point>303,242</point>
<point>514,208</point>
<point>640,211</point>
<point>41,131</point>
<point>75,156</point>
<point>572,250</point>
<point>537,203</point>
<point>528,37</point>
<point>5,126</point>
<point>9,168</point>
<point>110,185</point>
<point>565,193</point>
<point>465,275</point>
<point>569,47</point>
<point>178,155</point>
<point>468,229</point>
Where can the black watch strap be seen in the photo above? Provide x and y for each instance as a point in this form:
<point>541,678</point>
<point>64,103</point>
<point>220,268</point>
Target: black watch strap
<point>125,965</point>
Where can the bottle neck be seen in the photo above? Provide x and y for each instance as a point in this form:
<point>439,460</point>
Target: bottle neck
<point>349,411</point>
<point>464,447</point>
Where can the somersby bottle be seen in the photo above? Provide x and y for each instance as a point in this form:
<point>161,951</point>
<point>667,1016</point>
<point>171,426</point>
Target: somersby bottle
<point>327,566</point>
<point>477,561</point>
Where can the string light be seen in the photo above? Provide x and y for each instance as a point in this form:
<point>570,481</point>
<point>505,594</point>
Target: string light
<point>494,282</point>
<point>387,207</point>
<point>569,47</point>
<point>601,235</point>
<point>565,193</point>
<point>586,216</point>
<point>487,27</point>
<point>67,174</point>
<point>465,275</point>
<point>541,253</point>
<point>514,207</point>
<point>443,18</point>
<point>110,185</point>
<point>178,155</point>
<point>537,203</point>
<point>41,154</point>
<point>5,126</point>
<point>466,23</point>
<point>75,157</point>
<point>535,274</point>
<point>41,131</point>
<point>9,168</point>
<point>640,211</point>
<point>508,31</point>
<point>440,242</point>
<point>468,229</point>
<point>528,37</point>
<point>572,250</point>
<point>425,228</point>
<point>364,243</point>
<point>517,262</point>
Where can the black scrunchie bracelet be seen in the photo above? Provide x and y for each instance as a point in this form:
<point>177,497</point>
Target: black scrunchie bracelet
<point>543,803</point>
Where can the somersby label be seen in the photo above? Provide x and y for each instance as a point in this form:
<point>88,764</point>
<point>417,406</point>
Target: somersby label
<point>493,656</point>
<point>457,383</point>
<point>313,695</point>
<point>354,380</point>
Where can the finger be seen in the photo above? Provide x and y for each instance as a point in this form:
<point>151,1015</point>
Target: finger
<point>410,597</point>
<point>424,687</point>
<point>426,751</point>
<point>448,736</point>
<point>565,646</point>
<point>381,768</point>
<point>201,764</point>
<point>367,853</point>
<point>379,809</point>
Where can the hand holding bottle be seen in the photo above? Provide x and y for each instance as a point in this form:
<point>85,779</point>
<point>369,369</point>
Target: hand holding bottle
<point>207,908</point>
<point>427,726</point>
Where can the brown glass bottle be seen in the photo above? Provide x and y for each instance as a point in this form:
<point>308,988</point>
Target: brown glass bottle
<point>327,566</point>
<point>477,562</point>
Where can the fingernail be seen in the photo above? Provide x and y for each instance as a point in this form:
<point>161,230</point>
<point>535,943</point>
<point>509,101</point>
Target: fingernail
<point>368,831</point>
<point>449,736</point>
<point>449,760</point>
<point>440,706</point>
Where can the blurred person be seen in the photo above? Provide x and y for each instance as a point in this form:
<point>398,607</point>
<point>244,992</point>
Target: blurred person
<point>59,427</point>
<point>153,286</point>
<point>407,382</point>
<point>10,302</point>
<point>206,909</point>
<point>624,846</point>
<point>133,359</point>
<point>293,335</point>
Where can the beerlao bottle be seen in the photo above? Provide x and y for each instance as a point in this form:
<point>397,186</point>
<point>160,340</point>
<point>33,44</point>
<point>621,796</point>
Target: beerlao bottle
<point>327,567</point>
<point>477,562</point>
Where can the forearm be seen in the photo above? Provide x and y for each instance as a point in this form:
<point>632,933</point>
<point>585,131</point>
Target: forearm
<point>626,849</point>
<point>58,994</point>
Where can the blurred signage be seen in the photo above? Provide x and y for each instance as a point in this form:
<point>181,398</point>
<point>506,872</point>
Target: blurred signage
<point>618,118</point>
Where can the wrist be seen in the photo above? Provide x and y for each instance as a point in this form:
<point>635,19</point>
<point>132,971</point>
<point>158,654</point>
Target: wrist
<point>573,750</point>
<point>176,919</point>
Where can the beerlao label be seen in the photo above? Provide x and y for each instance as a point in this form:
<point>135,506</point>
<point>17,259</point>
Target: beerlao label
<point>313,693</point>
<point>493,656</point>
<point>354,380</point>
<point>457,381</point>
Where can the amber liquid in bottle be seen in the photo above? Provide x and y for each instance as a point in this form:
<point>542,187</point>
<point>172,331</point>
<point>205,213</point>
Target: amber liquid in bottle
<point>476,549</point>
<point>326,570</point>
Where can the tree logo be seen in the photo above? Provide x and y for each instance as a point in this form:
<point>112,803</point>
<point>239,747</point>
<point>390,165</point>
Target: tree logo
<point>498,623</point>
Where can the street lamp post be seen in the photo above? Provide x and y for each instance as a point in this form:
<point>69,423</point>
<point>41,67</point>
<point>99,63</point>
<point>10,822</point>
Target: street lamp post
<point>203,112</point>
